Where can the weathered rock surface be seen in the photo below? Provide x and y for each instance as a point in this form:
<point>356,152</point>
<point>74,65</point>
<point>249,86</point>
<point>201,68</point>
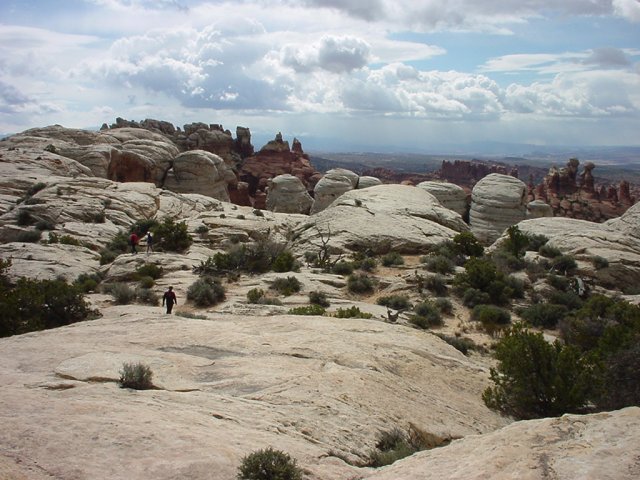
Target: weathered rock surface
<point>287,194</point>
<point>333,183</point>
<point>201,172</point>
<point>538,208</point>
<point>451,196</point>
<point>572,447</point>
<point>403,218</point>
<point>227,385</point>
<point>497,202</point>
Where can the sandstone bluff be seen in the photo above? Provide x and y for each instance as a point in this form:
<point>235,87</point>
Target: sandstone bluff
<point>237,377</point>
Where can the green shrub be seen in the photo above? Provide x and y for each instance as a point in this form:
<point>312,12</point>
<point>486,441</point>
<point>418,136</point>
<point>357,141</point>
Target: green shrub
<point>269,464</point>
<point>545,315</point>
<point>516,242</point>
<point>549,251</point>
<point>368,264</point>
<point>202,230</point>
<point>146,282</point>
<point>147,296</point>
<point>426,315</point>
<point>319,298</point>
<point>170,236</point>
<point>558,282</point>
<point>257,212</point>
<point>351,312</point>
<point>569,299</point>
<point>312,309</point>
<point>463,345</point>
<point>35,188</point>
<point>439,264</point>
<point>63,239</point>
<point>136,375</point>
<point>536,241</point>
<point>286,286</point>
<point>436,283</point>
<point>31,305</point>
<point>25,218</point>
<point>392,259</point>
<point>284,262</point>
<point>45,225</point>
<point>444,305</point>
<point>600,262</point>
<point>490,315</point>
<point>206,292</point>
<point>143,226</point>
<point>107,256</point>
<point>507,261</point>
<point>564,264</point>
<point>87,282</point>
<point>122,293</point>
<point>254,295</point>
<point>483,275</point>
<point>465,243</point>
<point>29,236</point>
<point>149,270</point>
<point>535,378</point>
<point>359,283</point>
<point>473,297</point>
<point>391,446</point>
<point>342,267</point>
<point>397,302</point>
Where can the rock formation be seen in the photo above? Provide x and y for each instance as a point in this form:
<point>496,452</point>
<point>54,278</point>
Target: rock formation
<point>451,196</point>
<point>538,208</point>
<point>398,217</point>
<point>287,194</point>
<point>497,202</point>
<point>333,184</point>
<point>198,171</point>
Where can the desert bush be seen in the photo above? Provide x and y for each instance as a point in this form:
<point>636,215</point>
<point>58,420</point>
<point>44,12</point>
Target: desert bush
<point>136,375</point>
<point>149,270</point>
<point>465,243</point>
<point>144,225</point>
<point>359,283</point>
<point>202,230</point>
<point>206,292</point>
<point>107,256</point>
<point>515,285</point>
<point>548,251</point>
<point>284,262</point>
<point>29,236</point>
<point>473,297</point>
<point>535,242</point>
<point>392,259</point>
<point>342,267</point>
<point>286,286</point>
<point>170,236</point>
<point>35,188</point>
<point>351,312</point>
<point>254,295</point>
<point>516,242</point>
<point>146,282</point>
<point>535,378</point>
<point>319,298</point>
<point>368,264</point>
<point>544,315</point>
<point>269,464</point>
<point>600,262</point>
<point>147,296</point>
<point>564,264</point>
<point>312,309</point>
<point>122,293</point>
<point>87,282</point>
<point>438,264</point>
<point>45,225</point>
<point>507,261</point>
<point>391,445</point>
<point>444,305</point>
<point>558,282</point>
<point>397,302</point>
<point>436,283</point>
<point>425,316</point>
<point>490,315</point>
<point>481,274</point>
<point>463,345</point>
<point>25,218</point>
<point>569,299</point>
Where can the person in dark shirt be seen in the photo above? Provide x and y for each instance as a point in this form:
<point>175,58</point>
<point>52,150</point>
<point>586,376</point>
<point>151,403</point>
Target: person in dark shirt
<point>133,241</point>
<point>169,298</point>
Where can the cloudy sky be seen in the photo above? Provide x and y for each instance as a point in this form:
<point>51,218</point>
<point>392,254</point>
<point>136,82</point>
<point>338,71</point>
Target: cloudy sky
<point>337,74</point>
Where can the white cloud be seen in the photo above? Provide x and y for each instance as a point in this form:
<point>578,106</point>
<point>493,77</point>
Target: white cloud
<point>629,9</point>
<point>330,53</point>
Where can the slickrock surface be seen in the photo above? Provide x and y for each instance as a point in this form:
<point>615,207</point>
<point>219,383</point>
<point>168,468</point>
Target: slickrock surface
<point>572,447</point>
<point>226,385</point>
<point>287,194</point>
<point>450,195</point>
<point>405,218</point>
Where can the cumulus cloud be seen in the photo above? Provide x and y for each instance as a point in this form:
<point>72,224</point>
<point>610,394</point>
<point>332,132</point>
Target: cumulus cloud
<point>629,9</point>
<point>13,101</point>
<point>334,54</point>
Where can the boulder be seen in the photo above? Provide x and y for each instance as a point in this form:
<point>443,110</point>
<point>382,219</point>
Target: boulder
<point>403,218</point>
<point>538,208</point>
<point>497,202</point>
<point>333,184</point>
<point>367,181</point>
<point>204,173</point>
<point>287,194</point>
<point>451,196</point>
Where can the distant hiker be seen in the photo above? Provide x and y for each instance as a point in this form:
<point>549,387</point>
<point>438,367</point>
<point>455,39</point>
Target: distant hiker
<point>169,298</point>
<point>133,241</point>
<point>149,242</point>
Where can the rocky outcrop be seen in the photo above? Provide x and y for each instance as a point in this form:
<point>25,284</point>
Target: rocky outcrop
<point>467,173</point>
<point>333,183</point>
<point>450,196</point>
<point>402,218</point>
<point>287,194</point>
<point>497,202</point>
<point>273,159</point>
<point>365,181</point>
<point>198,171</point>
<point>538,208</point>
<point>572,447</point>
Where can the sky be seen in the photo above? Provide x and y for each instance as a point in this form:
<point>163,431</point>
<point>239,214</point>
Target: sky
<point>337,74</point>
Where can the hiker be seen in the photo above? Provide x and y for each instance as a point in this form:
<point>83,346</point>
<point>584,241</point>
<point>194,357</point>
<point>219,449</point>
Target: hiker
<point>133,241</point>
<point>169,298</point>
<point>149,242</point>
